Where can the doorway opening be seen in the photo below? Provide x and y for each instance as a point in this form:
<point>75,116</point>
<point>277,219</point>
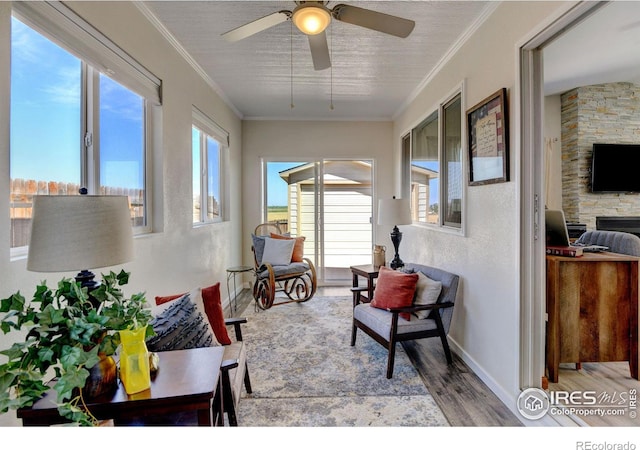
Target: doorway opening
<point>330,203</point>
<point>540,188</point>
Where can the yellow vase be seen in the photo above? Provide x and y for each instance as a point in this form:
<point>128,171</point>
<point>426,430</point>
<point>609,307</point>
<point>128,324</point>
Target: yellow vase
<point>134,361</point>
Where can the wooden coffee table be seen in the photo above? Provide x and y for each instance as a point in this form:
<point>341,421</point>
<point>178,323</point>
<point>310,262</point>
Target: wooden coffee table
<point>186,381</point>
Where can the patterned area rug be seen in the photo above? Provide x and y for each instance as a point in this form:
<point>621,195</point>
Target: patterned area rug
<point>304,372</point>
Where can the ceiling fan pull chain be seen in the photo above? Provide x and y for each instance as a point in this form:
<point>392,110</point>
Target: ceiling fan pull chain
<point>331,67</point>
<point>291,60</point>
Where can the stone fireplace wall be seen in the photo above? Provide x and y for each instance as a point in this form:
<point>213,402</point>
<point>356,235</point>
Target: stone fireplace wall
<point>605,113</point>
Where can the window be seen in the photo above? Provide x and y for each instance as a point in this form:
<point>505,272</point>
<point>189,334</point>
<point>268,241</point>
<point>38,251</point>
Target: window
<point>425,171</point>
<point>207,141</point>
<point>74,121</point>
<point>122,146</point>
<point>433,166</point>
<point>452,175</point>
<point>45,124</point>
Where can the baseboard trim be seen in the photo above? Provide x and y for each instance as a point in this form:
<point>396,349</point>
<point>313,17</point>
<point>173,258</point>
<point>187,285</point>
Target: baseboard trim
<point>507,398</point>
<point>230,295</point>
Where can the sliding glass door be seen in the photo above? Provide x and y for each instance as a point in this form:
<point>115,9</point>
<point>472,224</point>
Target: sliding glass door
<point>330,203</point>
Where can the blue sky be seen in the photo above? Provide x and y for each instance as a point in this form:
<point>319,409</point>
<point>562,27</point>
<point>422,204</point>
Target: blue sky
<point>213,162</point>
<point>432,165</point>
<point>277,188</point>
<point>46,114</point>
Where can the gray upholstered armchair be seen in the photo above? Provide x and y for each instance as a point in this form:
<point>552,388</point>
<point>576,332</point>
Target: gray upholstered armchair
<point>617,241</point>
<point>426,319</point>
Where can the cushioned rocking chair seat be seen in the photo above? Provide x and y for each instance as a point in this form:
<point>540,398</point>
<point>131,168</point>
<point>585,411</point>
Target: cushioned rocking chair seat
<point>282,271</point>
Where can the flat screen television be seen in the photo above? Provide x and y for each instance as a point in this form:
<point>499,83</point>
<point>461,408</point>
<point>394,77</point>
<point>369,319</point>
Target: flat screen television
<point>615,168</point>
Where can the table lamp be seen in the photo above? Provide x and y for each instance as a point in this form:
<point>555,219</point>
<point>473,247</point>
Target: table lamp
<point>395,211</point>
<point>79,232</point>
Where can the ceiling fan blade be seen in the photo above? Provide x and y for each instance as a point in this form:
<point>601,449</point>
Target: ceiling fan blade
<point>256,26</point>
<point>319,51</point>
<point>373,20</point>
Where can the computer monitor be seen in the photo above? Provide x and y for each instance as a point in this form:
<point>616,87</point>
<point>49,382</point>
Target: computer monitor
<point>556,228</point>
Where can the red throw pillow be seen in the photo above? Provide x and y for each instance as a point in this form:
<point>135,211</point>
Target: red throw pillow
<point>213,308</point>
<point>298,247</point>
<point>394,290</point>
<point>167,298</point>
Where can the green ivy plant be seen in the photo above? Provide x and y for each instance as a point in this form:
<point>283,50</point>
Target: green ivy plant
<point>66,331</point>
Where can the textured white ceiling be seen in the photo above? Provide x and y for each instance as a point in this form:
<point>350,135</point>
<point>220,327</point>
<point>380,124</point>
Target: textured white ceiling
<point>373,75</point>
<point>605,47</point>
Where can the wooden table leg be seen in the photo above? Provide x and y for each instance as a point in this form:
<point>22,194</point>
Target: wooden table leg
<point>370,286</point>
<point>633,321</point>
<point>553,324</point>
<point>204,417</point>
<point>354,283</point>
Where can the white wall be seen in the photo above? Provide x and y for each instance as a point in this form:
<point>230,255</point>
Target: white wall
<point>485,328</point>
<point>301,140</point>
<point>177,257</point>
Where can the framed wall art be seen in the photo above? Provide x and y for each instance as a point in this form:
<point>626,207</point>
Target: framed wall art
<point>488,140</point>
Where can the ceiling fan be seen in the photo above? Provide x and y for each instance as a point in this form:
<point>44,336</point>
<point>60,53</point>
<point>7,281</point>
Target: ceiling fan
<point>313,17</point>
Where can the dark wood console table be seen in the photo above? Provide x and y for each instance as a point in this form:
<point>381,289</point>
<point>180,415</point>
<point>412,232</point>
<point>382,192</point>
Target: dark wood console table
<point>592,308</point>
<point>186,381</point>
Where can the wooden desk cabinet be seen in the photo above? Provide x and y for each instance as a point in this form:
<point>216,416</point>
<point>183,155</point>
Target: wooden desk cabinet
<point>592,309</point>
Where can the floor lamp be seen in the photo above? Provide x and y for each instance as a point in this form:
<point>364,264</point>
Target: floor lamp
<point>395,211</point>
<point>79,232</point>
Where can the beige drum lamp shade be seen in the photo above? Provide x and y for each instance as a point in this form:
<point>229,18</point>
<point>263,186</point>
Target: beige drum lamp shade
<point>76,232</point>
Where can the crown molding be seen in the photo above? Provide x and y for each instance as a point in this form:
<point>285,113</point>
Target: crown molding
<point>186,56</point>
<point>469,32</point>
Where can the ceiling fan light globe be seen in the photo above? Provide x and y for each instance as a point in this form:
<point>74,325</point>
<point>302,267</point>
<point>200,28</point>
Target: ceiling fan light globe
<point>311,19</point>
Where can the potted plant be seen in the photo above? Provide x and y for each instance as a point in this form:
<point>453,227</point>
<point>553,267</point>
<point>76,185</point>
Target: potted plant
<point>69,333</point>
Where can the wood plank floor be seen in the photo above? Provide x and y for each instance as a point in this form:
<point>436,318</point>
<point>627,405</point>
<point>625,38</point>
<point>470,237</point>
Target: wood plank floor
<point>610,379</point>
<point>467,401</point>
<point>464,399</point>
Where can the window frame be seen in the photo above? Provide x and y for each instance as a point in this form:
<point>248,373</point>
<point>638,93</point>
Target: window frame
<point>445,194</point>
<point>407,146</point>
<point>432,118</point>
<point>97,55</point>
<point>210,129</point>
<point>60,24</point>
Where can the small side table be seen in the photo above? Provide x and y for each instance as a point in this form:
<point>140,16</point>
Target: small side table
<point>188,380</point>
<point>368,271</point>
<point>231,274</point>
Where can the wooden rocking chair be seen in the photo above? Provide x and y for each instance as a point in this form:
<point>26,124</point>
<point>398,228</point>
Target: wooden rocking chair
<point>296,279</point>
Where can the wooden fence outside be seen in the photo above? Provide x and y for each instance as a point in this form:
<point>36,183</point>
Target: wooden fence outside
<point>21,200</point>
